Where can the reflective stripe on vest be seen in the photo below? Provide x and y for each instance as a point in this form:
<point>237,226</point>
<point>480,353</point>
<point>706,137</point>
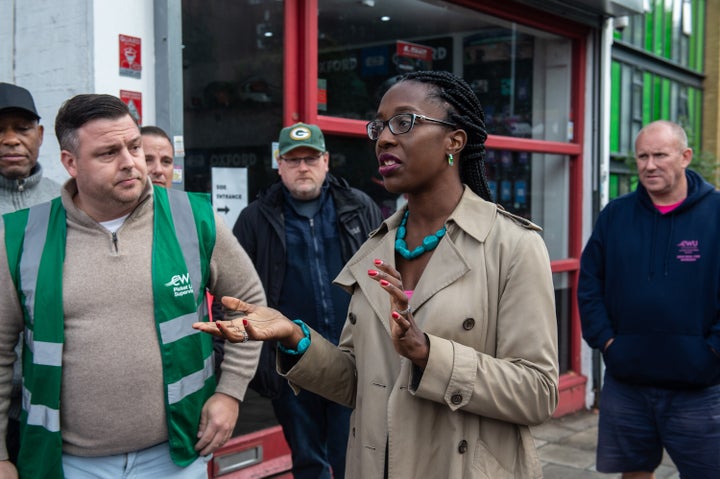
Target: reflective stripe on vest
<point>179,328</point>
<point>191,383</point>
<point>186,232</point>
<point>44,352</point>
<point>187,236</point>
<point>39,415</point>
<point>35,233</point>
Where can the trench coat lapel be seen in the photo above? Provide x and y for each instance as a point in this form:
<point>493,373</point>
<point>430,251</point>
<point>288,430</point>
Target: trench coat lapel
<point>446,266</point>
<point>471,221</point>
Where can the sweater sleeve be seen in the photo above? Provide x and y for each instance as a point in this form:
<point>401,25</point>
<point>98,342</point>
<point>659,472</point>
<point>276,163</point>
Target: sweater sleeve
<point>232,274</point>
<point>11,324</point>
<point>596,326</point>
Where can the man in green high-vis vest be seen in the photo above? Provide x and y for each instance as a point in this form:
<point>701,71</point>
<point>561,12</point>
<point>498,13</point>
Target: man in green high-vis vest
<point>106,281</point>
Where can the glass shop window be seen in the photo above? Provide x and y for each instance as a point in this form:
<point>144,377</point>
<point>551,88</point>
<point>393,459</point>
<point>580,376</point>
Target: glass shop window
<point>233,90</point>
<point>535,186</point>
<point>521,75</point>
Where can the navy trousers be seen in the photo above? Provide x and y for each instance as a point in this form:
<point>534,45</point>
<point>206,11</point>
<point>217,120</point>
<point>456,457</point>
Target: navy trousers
<point>316,430</point>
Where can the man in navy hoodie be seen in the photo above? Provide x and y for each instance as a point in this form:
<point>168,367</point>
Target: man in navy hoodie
<point>649,298</point>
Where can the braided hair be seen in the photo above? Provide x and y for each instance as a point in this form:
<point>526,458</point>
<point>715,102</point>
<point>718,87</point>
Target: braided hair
<point>466,112</point>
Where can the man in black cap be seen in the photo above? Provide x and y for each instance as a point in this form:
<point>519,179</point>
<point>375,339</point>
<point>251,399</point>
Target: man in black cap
<point>21,182</point>
<point>21,185</point>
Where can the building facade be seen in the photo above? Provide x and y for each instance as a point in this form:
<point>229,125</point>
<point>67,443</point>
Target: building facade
<point>658,72</point>
<point>223,77</point>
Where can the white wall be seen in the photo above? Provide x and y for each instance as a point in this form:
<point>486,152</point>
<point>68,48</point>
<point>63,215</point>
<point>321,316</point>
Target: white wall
<point>7,7</point>
<point>45,49</point>
<point>61,48</point>
<point>132,18</point>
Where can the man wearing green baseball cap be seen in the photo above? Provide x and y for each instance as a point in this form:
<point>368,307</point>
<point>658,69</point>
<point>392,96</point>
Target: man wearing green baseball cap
<point>299,233</point>
<point>304,162</point>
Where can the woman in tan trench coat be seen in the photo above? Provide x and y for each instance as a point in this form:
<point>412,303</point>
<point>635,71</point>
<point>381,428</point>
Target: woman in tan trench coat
<point>449,351</point>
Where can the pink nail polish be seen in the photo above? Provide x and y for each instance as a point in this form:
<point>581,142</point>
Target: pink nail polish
<point>383,282</point>
<point>378,262</point>
<point>395,315</point>
<point>245,322</point>
<point>372,272</point>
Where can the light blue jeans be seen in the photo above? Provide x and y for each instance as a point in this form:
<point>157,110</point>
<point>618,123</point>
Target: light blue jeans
<point>150,463</point>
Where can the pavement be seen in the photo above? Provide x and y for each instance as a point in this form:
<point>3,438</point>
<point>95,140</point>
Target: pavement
<point>566,446</point>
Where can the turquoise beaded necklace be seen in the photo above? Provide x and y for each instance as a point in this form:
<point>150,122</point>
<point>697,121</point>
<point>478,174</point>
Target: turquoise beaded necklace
<point>429,243</point>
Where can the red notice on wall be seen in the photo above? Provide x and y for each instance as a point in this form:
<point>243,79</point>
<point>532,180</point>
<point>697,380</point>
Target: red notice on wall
<point>133,99</point>
<point>130,56</point>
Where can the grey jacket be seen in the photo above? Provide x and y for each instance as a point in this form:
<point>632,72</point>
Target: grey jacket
<point>24,193</point>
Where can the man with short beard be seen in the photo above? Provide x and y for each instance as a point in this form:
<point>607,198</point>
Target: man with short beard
<point>299,232</point>
<point>107,280</point>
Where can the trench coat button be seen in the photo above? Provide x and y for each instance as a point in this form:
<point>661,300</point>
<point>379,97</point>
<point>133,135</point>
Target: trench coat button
<point>468,324</point>
<point>456,398</point>
<point>462,447</point>
<point>352,318</point>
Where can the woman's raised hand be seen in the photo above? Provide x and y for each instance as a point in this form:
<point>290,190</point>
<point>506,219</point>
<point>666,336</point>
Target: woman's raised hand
<point>409,340</point>
<point>260,323</point>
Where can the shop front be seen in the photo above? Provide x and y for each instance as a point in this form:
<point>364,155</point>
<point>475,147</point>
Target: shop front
<point>250,68</point>
<point>223,78</point>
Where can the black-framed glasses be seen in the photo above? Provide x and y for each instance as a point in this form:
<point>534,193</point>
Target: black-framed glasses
<point>309,160</point>
<point>399,124</point>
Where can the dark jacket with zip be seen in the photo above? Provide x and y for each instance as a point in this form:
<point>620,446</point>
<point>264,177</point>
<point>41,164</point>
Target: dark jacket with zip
<point>260,228</point>
<point>652,282</point>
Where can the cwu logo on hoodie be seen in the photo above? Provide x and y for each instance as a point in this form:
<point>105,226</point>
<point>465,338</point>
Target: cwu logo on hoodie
<point>688,251</point>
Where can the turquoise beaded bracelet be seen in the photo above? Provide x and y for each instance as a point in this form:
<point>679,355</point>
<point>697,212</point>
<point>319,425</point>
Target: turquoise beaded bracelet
<point>302,345</point>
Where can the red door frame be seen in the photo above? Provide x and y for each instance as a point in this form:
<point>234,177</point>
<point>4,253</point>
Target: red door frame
<point>300,104</point>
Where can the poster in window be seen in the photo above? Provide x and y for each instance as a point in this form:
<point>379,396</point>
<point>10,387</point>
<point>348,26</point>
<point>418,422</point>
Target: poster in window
<point>356,78</point>
<point>498,65</point>
<point>410,57</point>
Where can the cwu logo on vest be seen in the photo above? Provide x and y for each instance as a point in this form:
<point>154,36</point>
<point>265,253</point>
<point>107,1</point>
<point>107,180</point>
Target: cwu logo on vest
<point>181,284</point>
